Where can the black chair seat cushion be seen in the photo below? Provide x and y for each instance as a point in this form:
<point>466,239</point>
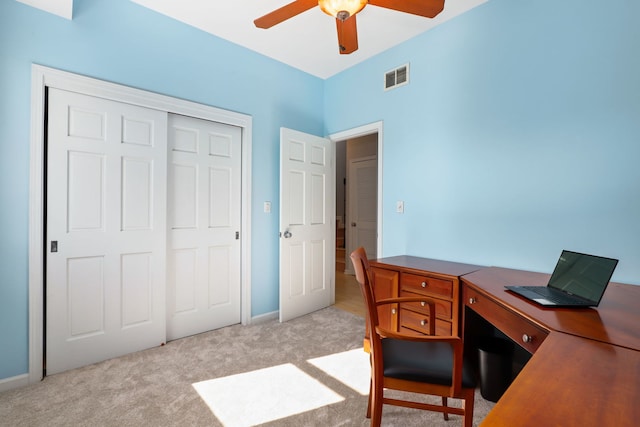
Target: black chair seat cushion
<point>428,362</point>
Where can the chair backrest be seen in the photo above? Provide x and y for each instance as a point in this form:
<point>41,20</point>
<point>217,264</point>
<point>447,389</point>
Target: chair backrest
<point>365,280</point>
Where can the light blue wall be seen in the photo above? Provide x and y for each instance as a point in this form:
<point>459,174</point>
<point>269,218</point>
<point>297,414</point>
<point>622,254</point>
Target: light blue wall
<point>119,41</point>
<point>518,135</point>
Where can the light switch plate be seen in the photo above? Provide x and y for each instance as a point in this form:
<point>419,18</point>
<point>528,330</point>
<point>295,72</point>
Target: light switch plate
<point>400,206</point>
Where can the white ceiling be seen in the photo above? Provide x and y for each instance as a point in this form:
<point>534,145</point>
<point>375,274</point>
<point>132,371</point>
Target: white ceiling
<point>307,41</point>
<point>62,8</point>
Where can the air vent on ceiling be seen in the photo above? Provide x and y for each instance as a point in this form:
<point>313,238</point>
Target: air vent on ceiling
<point>396,77</point>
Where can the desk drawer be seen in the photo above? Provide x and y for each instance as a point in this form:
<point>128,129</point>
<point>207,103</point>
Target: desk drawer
<point>516,327</point>
<point>426,285</point>
<point>410,321</point>
<point>443,307</point>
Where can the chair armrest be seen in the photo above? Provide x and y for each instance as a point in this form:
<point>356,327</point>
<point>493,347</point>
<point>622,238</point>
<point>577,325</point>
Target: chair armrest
<point>403,299</point>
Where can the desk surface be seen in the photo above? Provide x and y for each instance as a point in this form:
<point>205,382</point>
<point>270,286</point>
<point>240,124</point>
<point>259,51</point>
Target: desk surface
<point>420,265</point>
<point>615,321</point>
<point>572,381</point>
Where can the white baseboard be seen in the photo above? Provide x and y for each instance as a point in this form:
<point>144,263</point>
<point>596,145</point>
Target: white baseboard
<point>14,382</point>
<point>265,317</point>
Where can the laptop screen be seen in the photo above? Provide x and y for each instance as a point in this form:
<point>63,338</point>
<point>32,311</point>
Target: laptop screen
<point>586,276</point>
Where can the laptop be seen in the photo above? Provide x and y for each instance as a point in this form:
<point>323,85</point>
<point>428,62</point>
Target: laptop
<point>579,280</point>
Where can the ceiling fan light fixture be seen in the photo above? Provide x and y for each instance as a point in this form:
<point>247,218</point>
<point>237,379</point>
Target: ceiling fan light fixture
<point>341,9</point>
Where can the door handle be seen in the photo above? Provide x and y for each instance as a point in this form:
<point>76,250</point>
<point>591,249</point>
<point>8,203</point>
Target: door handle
<point>287,234</point>
<point>353,224</point>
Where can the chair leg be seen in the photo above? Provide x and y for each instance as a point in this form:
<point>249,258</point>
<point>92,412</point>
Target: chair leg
<point>467,404</point>
<point>444,404</point>
<point>369,399</point>
<point>376,403</point>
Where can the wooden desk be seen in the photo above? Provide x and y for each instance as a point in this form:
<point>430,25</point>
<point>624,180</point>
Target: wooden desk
<point>415,276</point>
<point>585,369</point>
<point>615,321</point>
<point>573,381</point>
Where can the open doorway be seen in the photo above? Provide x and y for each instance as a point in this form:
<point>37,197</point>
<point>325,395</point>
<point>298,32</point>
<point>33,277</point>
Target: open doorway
<point>357,198</point>
<point>358,207</point>
<point>362,143</point>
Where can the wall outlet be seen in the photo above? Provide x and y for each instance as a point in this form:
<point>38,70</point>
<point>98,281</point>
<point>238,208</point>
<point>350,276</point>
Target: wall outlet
<point>267,207</point>
<point>400,206</point>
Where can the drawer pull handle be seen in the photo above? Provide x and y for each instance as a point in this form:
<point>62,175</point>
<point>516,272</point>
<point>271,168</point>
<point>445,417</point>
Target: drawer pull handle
<point>423,284</point>
<point>423,322</point>
<point>422,303</point>
<point>472,300</point>
<point>527,338</point>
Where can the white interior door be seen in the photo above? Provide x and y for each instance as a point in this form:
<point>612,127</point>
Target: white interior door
<point>362,179</point>
<point>307,230</point>
<point>203,283</point>
<point>106,229</point>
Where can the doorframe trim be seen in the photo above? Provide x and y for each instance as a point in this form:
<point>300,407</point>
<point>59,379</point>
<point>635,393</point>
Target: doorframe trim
<point>368,129</point>
<point>43,77</point>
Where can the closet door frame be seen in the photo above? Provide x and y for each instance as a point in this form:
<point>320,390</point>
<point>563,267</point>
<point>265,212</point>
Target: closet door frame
<point>43,77</point>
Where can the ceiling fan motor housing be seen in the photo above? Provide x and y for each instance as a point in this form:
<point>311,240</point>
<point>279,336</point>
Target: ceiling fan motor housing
<point>342,9</point>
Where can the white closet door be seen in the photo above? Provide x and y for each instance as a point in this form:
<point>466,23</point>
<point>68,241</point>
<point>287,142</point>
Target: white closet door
<point>204,224</point>
<point>106,229</point>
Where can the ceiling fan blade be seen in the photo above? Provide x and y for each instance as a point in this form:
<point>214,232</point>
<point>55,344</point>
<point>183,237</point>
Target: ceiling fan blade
<point>285,12</point>
<point>426,8</point>
<point>347,35</point>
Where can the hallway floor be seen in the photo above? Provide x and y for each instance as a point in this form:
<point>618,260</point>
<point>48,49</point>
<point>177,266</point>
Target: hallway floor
<point>348,295</point>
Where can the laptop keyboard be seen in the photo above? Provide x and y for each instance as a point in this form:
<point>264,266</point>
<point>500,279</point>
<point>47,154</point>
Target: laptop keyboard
<point>556,297</point>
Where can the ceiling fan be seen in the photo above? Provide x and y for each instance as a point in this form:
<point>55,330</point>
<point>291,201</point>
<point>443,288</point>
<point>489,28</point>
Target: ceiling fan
<point>344,11</point>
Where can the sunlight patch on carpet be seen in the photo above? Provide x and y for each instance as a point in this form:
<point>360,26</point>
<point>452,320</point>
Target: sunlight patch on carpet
<point>269,394</point>
<point>350,368</point>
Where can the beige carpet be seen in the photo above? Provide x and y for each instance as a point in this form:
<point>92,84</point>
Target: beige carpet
<point>306,372</point>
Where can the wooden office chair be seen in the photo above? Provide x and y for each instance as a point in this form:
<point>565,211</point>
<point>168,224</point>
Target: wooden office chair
<point>426,364</point>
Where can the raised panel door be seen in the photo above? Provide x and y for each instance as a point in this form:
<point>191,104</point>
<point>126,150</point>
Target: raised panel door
<point>203,283</point>
<point>106,198</point>
<point>307,225</point>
